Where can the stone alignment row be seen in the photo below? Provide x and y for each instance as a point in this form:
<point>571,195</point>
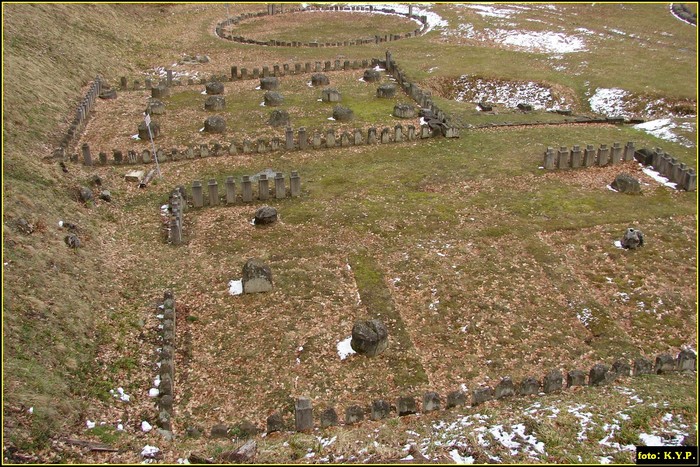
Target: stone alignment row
<point>223,33</point>
<point>82,114</point>
<point>553,381</point>
<point>303,140</point>
<point>177,207</point>
<point>264,192</point>
<point>683,176</point>
<point>166,388</point>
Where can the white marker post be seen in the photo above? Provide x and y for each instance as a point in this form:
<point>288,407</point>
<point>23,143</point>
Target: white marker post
<point>153,146</point>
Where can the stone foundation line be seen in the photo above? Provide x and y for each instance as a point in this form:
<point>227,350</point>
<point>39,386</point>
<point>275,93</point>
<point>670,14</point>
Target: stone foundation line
<point>166,371</point>
<point>274,188</point>
<point>223,33</point>
<point>82,114</point>
<point>679,173</point>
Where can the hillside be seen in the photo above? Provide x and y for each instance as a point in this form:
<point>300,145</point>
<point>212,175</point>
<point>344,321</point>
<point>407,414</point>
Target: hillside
<point>464,244</point>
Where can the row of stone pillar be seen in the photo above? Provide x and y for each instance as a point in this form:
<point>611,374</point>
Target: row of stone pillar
<point>553,381</point>
<point>675,171</point>
<point>301,141</point>
<point>589,157</point>
<point>299,68</point>
<point>166,371</point>
<point>246,193</point>
<point>82,114</point>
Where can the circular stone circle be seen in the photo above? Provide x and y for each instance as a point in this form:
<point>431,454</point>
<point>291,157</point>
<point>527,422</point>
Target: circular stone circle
<point>222,33</point>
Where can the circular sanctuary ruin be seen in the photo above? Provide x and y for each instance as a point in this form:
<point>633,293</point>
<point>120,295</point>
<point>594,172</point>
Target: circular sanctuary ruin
<point>371,25</point>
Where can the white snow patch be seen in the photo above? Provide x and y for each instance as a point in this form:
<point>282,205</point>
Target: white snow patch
<point>90,424</point>
<point>149,451</point>
<point>454,454</point>
<point>658,177</point>
<point>153,392</point>
<point>585,316</point>
<point>145,426</point>
<point>344,348</point>
<point>651,440</point>
<point>609,102</point>
<point>136,137</point>
<point>618,244</point>
<point>611,188</point>
<point>663,129</point>
<point>605,460</point>
<point>235,287</point>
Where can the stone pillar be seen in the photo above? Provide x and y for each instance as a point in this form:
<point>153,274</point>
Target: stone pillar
<point>175,232</point>
<point>576,157</point>
<point>316,140</point>
<point>330,138</point>
<point>656,159</point>
<point>230,190</point>
<point>372,136</point>
<point>357,137</point>
<point>123,83</point>
<point>244,73</point>
<point>290,138</point>
<point>148,84</point>
<point>690,180</point>
<point>303,139</point>
<point>295,184</point>
<point>303,414</point>
<point>629,152</point>
<point>197,194</point>
<point>234,73</point>
<point>549,159</point>
<point>87,158</point>
<point>676,174</point>
<point>276,70</point>
<point>603,155</point>
<point>616,154</point>
<point>247,189</point>
<point>280,190</point>
<point>589,156</point>
<point>263,188</point>
<point>411,133</point>
<point>213,193</point>
<point>398,133</point>
<point>265,71</point>
<point>169,77</point>
<point>563,158</point>
<point>385,137</point>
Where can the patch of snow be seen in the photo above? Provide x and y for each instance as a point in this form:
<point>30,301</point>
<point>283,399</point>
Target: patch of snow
<point>235,287</point>
<point>153,392</point>
<point>262,104</point>
<point>454,454</point>
<point>609,102</point>
<point>135,137</point>
<point>585,316</point>
<point>90,424</point>
<point>618,244</point>
<point>605,460</point>
<point>149,451</point>
<point>611,188</point>
<point>145,426</point>
<point>31,410</point>
<point>344,348</point>
<point>663,129</point>
<point>658,177</point>
<point>120,427</point>
<point>651,440</point>
<point>331,118</point>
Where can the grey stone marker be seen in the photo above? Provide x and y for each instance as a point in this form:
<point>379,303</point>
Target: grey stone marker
<point>504,389</point>
<point>354,414</point>
<point>230,190</point>
<point>329,417</point>
<point>616,154</point>
<point>589,156</point>
<point>626,183</point>
<point>257,277</point>
<point>330,95</point>
<point>664,364</point>
<point>406,405</point>
<point>213,192</point>
<point>386,90</point>
<point>411,132</point>
<point>289,136</point>
<point>380,409</point>
<point>687,360</point>
<point>398,133</point>
<point>603,155</point>
<point>303,139</point>
<point>303,414</point>
<point>265,215</point>
<point>629,151</point>
<point>372,136</point>
<point>575,378</point>
<point>247,189</point>
<point>87,158</point>
<point>552,381</point>
<point>641,366</point>
<point>549,159</point>
<point>330,138</point>
<point>357,137</point>
<point>563,158</point>
<point>385,137</point>
<point>576,157</point>
<point>431,402</point>
<point>316,140</point>
<point>621,368</point>
<point>280,190</point>
<point>197,194</point>
<point>632,239</point>
<point>263,188</point>
<point>295,184</point>
<point>456,398</point>
<point>481,395</point>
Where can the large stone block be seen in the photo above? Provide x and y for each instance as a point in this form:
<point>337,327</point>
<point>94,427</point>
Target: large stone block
<point>369,337</point>
<point>257,277</point>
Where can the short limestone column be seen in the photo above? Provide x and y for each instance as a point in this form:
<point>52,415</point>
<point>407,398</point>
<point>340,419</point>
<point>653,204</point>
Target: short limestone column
<point>689,180</point>
<point>280,190</point>
<point>230,190</point>
<point>616,154</point>
<point>197,194</point>
<point>357,137</point>
<point>576,157</point>
<point>289,136</point>
<point>379,410</point>
<point>552,381</point>
<point>563,158</point>
<point>263,188</point>
<point>303,414</point>
<point>295,184</point>
<point>398,133</point>
<point>505,388</point>
<point>603,155</point>
<point>676,173</point>
<point>406,405</point>
<point>629,152</point>
<point>686,360</point>
<point>549,159</point>
<point>431,402</point>
<point>316,140</point>
<point>385,136</point>
<point>175,232</point>
<point>329,417</point>
<point>656,157</point>
<point>411,132</point>
<point>234,73</point>
<point>87,158</point>
<point>372,136</point>
<point>213,193</point>
<point>247,189</point>
<point>354,414</point>
<point>330,138</point>
<point>303,139</point>
<point>589,156</point>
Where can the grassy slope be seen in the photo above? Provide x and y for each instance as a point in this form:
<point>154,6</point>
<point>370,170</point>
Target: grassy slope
<point>57,303</point>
